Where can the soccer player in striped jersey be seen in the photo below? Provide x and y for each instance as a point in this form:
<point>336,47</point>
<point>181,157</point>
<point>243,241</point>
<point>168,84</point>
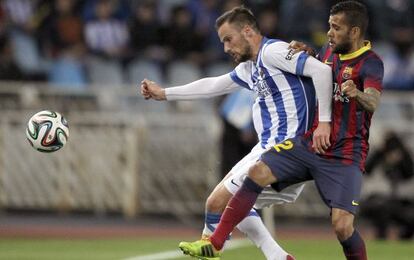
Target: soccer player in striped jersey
<point>337,170</point>
<point>285,84</point>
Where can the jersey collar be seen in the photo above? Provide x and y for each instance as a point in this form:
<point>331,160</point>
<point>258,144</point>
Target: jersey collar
<point>349,56</point>
<point>264,40</point>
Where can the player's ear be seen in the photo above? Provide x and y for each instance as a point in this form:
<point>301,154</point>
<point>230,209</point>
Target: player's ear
<point>247,31</point>
<point>355,32</point>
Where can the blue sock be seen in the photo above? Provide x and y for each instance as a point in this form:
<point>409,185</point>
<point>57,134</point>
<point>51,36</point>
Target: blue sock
<point>211,220</point>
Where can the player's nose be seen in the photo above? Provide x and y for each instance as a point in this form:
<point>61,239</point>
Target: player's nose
<point>329,33</point>
<point>226,48</point>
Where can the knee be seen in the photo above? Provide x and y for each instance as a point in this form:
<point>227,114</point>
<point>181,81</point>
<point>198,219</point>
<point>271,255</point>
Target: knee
<point>343,227</point>
<point>218,199</point>
<point>261,174</point>
<point>214,204</point>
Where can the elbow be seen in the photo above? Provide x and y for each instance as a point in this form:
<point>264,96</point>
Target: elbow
<point>372,108</point>
<point>326,69</point>
<point>374,105</point>
<point>323,75</point>
<point>328,72</point>
<point>369,109</point>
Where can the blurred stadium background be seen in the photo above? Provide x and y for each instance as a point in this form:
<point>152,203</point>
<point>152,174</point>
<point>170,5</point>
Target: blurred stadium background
<point>142,169</point>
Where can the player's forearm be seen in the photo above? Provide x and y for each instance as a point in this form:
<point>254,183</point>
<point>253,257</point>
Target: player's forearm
<point>369,99</point>
<point>203,88</point>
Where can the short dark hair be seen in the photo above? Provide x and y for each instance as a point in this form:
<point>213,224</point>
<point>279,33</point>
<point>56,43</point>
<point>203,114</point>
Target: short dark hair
<point>356,14</point>
<point>240,16</point>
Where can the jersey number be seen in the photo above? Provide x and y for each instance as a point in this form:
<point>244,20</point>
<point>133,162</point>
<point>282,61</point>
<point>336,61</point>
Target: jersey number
<point>286,145</point>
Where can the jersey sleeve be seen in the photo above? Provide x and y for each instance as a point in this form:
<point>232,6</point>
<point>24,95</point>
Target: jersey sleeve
<point>278,55</point>
<point>373,73</point>
<point>240,75</point>
<point>202,88</point>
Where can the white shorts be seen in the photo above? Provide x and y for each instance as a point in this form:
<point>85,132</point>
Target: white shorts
<point>269,196</point>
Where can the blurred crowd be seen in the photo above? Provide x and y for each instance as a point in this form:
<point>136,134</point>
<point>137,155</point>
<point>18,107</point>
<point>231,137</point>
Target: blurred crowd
<point>115,42</point>
<point>393,207</point>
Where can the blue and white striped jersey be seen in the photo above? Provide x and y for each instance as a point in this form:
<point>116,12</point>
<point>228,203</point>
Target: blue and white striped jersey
<point>286,101</point>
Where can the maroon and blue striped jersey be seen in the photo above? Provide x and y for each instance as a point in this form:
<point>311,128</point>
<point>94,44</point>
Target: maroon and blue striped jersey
<point>350,122</point>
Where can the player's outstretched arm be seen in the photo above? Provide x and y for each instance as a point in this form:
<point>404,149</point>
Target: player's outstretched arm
<point>202,88</point>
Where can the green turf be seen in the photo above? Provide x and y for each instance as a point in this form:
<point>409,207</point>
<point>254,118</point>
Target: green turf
<point>48,249</point>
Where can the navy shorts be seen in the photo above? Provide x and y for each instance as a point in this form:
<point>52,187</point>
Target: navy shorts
<point>293,162</point>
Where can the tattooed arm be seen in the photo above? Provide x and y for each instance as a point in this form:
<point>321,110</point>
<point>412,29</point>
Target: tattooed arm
<point>369,99</point>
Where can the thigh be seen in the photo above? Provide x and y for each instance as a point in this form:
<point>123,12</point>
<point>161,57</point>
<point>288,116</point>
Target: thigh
<point>269,196</point>
<point>235,178</point>
<point>339,184</point>
<point>289,162</point>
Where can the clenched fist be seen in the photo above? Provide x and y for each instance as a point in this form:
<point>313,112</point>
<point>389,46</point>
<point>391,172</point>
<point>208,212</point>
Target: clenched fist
<point>151,90</point>
<point>349,89</point>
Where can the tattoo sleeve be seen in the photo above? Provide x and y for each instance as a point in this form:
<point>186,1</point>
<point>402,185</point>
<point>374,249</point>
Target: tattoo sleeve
<point>369,99</point>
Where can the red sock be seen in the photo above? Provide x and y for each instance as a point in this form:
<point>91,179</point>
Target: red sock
<point>237,209</point>
<point>354,247</point>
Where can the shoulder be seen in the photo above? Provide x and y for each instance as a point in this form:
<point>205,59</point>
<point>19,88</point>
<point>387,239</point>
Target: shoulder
<point>324,49</point>
<point>243,66</point>
<point>373,57</point>
<point>372,63</point>
<point>275,50</point>
<point>274,45</point>
<point>242,71</point>
<point>324,53</point>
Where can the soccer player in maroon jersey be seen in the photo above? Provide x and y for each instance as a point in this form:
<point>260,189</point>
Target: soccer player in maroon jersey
<point>337,169</point>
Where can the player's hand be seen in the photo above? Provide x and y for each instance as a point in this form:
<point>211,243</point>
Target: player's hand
<point>349,89</point>
<point>151,90</point>
<point>321,135</point>
<point>297,46</point>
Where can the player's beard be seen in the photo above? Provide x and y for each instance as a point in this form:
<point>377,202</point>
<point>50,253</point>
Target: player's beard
<point>343,48</point>
<point>245,54</point>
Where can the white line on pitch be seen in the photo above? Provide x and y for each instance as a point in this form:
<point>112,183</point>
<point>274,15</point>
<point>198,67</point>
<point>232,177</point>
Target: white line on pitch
<point>173,254</point>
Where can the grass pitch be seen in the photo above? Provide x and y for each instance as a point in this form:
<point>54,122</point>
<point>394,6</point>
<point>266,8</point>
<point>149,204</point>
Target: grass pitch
<point>120,249</point>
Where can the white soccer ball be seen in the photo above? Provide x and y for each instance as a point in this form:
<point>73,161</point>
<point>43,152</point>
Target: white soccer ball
<point>47,131</point>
